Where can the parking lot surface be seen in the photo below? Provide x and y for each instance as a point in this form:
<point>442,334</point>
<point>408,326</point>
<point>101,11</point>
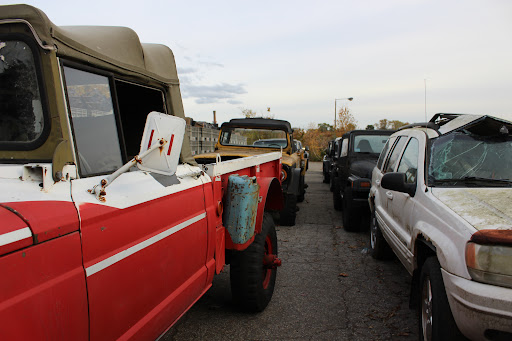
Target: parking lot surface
<point>328,288</point>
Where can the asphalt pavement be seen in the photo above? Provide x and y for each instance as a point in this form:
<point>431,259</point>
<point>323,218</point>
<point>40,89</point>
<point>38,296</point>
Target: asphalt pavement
<point>328,288</point>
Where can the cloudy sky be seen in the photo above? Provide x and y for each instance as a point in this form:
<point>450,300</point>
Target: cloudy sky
<point>297,57</point>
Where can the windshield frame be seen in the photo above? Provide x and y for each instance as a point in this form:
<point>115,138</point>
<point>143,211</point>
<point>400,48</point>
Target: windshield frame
<point>43,136</point>
<point>286,138</point>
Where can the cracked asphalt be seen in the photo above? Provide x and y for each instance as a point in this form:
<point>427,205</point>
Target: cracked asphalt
<point>328,288</point>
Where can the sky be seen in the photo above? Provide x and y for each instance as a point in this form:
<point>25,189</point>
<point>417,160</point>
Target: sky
<point>399,59</point>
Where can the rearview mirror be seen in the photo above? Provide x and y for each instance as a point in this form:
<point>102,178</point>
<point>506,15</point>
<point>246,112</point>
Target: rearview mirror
<point>168,129</point>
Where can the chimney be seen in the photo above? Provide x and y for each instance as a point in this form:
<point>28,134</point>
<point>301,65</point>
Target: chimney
<point>214,117</point>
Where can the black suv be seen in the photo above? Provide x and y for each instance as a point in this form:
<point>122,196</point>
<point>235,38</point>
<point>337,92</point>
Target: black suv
<point>355,157</point>
<point>327,162</point>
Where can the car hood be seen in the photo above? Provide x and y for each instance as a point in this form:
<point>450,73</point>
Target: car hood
<point>483,208</point>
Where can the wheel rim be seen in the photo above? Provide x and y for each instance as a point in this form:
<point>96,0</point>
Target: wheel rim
<point>373,232</point>
<point>426,310</point>
<point>267,271</point>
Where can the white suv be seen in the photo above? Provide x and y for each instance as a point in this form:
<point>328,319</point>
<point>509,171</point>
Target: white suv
<point>441,200</point>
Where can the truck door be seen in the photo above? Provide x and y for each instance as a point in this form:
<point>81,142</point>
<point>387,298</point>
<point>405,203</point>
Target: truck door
<point>144,246</point>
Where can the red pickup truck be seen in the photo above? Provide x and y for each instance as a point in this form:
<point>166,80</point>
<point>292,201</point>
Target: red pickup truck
<point>108,228</point>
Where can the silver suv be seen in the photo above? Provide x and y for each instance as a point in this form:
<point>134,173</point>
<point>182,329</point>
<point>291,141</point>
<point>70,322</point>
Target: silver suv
<point>441,200</point>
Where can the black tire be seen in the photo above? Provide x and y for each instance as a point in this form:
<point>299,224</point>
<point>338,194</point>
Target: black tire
<point>253,281</point>
<point>436,319</point>
<point>302,189</point>
<point>351,215</point>
<point>336,195</point>
<point>326,176</point>
<point>379,247</point>
<point>289,212</point>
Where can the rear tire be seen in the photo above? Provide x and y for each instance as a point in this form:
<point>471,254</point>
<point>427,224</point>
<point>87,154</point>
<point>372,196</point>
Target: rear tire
<point>326,176</point>
<point>351,216</point>
<point>336,195</point>
<point>289,212</point>
<point>379,247</point>
<point>252,281</point>
<point>302,189</point>
<point>436,319</point>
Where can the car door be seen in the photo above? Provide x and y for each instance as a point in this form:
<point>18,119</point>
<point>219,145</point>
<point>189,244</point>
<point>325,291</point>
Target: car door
<point>144,246</point>
<point>401,205</point>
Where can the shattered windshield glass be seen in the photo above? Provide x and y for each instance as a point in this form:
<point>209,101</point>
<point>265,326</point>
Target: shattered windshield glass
<point>21,113</point>
<point>465,159</point>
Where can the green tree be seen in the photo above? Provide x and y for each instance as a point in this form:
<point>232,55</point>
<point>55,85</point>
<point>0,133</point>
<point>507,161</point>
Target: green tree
<point>325,127</point>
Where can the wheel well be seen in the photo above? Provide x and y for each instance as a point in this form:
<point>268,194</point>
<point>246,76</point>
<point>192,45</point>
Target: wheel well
<point>423,249</point>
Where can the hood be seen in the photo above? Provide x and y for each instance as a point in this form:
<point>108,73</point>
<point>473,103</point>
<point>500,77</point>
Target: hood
<point>28,213</point>
<point>483,208</point>
<point>363,168</point>
<point>14,231</point>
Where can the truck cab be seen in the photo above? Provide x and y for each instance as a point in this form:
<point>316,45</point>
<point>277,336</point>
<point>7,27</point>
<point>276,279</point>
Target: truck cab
<point>254,136</point>
<point>108,227</point>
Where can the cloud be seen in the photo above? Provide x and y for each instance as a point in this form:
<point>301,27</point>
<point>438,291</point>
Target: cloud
<point>206,94</point>
<point>186,70</point>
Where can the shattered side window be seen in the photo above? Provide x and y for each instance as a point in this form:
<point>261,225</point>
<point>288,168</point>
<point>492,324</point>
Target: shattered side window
<point>465,156</point>
<point>21,113</point>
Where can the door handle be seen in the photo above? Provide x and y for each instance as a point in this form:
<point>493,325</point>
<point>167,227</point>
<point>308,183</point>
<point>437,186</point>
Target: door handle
<point>377,182</point>
<point>389,195</point>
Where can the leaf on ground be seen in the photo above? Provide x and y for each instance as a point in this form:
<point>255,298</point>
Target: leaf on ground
<point>343,274</point>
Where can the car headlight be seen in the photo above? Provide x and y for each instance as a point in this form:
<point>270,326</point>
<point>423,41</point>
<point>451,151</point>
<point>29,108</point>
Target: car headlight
<point>489,257</point>
<point>284,174</point>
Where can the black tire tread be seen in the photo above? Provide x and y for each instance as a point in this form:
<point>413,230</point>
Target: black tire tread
<point>246,271</point>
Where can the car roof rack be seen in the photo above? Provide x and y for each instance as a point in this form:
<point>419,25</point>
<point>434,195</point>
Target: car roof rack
<point>442,118</point>
<point>430,125</point>
<point>436,122</point>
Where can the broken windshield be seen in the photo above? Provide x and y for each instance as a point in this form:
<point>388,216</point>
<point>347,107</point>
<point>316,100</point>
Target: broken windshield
<point>465,159</point>
<point>21,113</point>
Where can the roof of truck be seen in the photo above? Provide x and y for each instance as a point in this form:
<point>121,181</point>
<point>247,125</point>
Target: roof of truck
<point>258,123</point>
<point>105,46</point>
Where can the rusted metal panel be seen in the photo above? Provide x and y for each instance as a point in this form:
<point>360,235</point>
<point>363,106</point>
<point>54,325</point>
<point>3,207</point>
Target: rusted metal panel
<point>241,205</point>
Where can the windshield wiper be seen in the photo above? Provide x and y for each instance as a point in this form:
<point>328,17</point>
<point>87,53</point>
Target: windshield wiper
<point>474,179</point>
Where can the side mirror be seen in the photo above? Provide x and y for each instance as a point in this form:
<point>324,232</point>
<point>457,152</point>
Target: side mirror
<point>396,182</point>
<point>168,129</point>
<point>163,132</point>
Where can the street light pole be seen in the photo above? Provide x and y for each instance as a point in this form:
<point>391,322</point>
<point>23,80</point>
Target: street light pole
<point>335,112</point>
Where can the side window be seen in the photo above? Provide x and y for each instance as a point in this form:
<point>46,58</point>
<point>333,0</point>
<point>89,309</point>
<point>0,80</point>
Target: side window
<point>135,102</point>
<point>382,156</point>
<point>22,118</point>
<point>395,154</point>
<point>344,148</point>
<point>94,124</point>
<point>409,162</point>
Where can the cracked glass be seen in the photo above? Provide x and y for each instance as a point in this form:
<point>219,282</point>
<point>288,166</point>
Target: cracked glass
<point>470,158</point>
<point>21,113</point>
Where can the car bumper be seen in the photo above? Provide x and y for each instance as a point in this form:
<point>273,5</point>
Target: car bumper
<point>482,311</point>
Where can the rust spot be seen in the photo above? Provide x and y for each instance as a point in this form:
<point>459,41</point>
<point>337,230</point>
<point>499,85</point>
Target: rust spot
<point>103,182</point>
<point>103,228</point>
<point>493,237</point>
